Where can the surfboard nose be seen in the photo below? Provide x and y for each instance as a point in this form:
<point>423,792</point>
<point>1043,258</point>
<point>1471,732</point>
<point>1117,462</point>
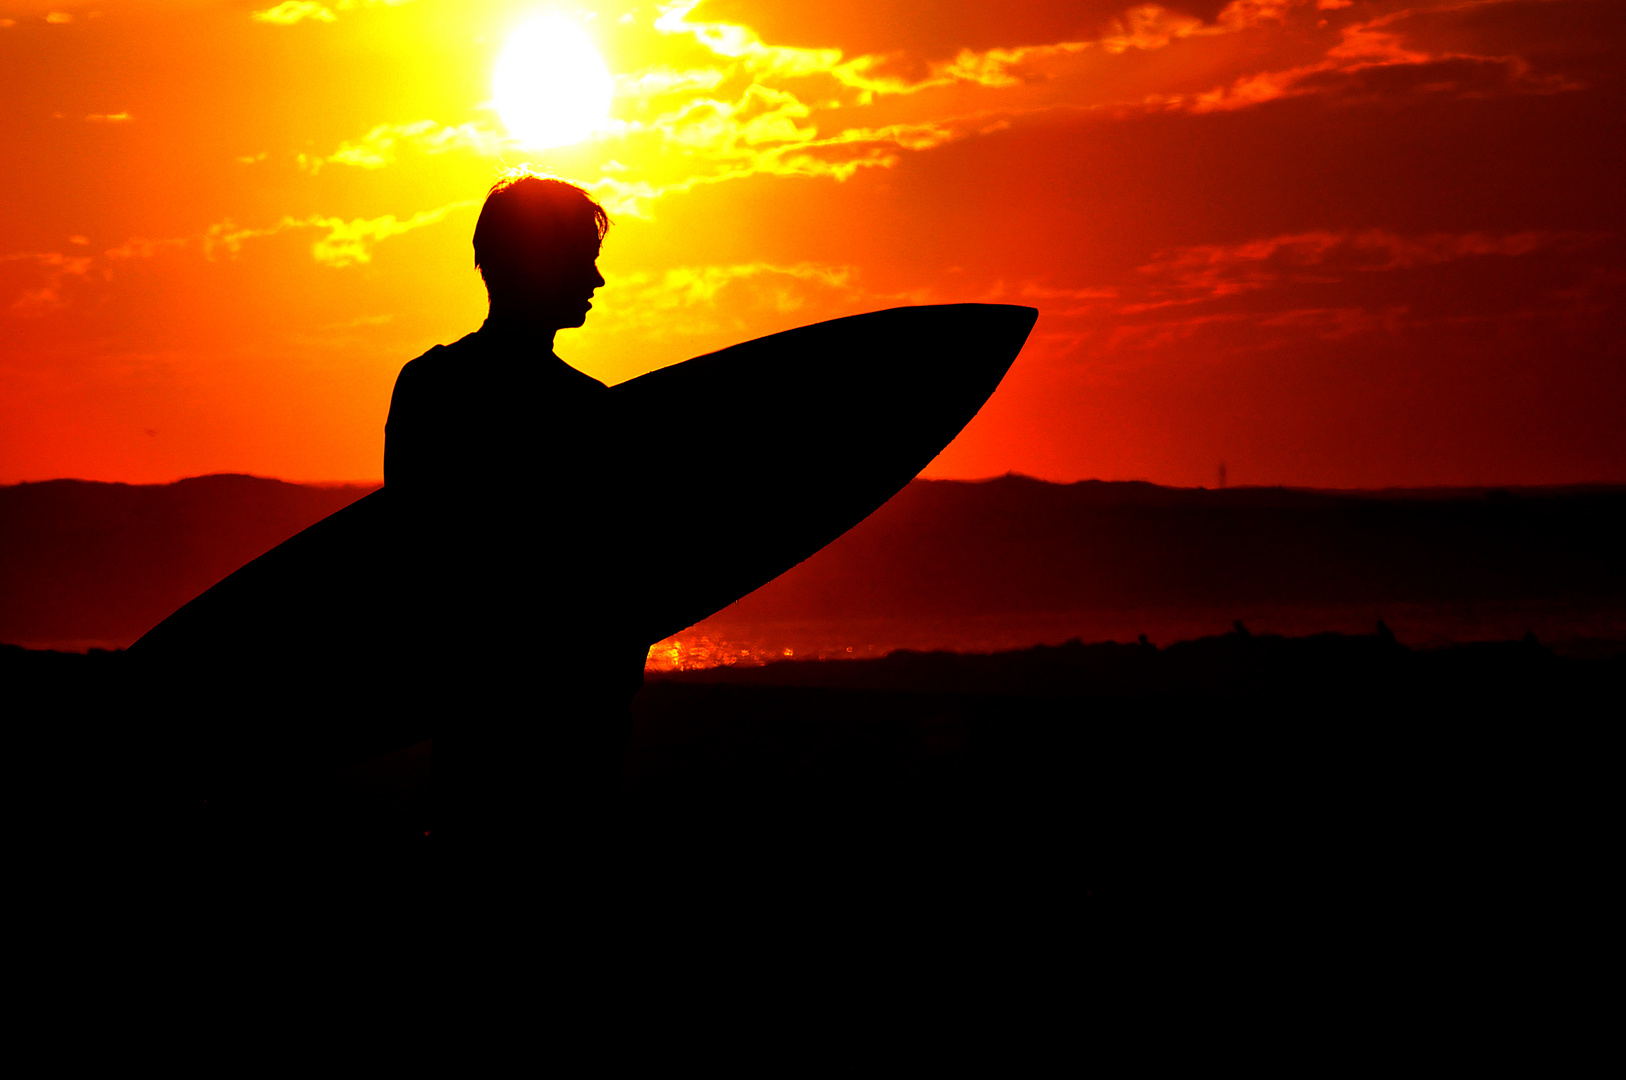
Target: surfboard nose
<point>983,339</point>
<point>1008,324</point>
<point>1013,318</point>
<point>1006,318</point>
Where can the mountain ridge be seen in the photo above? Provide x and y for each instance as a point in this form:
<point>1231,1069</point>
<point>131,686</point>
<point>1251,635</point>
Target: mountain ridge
<point>90,563</point>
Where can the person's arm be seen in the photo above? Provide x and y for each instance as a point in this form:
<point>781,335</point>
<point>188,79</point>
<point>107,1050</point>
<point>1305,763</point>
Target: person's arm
<point>405,461</point>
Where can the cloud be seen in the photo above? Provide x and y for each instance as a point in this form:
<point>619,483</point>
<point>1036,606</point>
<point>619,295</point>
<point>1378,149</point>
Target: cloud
<point>732,146</point>
<point>143,248</point>
<point>346,243</point>
<point>1323,284</point>
<point>58,17</point>
<point>742,43</point>
<point>52,269</point>
<point>290,12</point>
<point>738,107</point>
<point>379,146</point>
<point>1333,323</point>
<point>687,285</point>
<point>48,278</point>
<point>783,111</point>
<point>752,108</point>
<point>693,300</point>
<point>764,131</point>
<point>764,112</point>
<point>1376,59</point>
<point>1150,26</point>
<point>55,275</point>
<point>1213,271</point>
<point>41,283</point>
<point>110,118</point>
<point>661,79</point>
<point>1146,26</point>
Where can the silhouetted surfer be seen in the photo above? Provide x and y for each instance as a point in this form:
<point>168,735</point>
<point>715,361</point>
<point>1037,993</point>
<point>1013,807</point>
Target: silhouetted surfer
<point>503,460</point>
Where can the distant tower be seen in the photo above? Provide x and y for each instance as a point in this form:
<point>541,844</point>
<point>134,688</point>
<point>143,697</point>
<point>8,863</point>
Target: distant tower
<point>1222,474</point>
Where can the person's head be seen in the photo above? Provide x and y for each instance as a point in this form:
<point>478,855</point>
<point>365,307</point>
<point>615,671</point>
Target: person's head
<point>536,244</point>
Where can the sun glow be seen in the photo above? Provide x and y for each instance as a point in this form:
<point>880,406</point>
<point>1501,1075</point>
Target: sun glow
<point>551,87</point>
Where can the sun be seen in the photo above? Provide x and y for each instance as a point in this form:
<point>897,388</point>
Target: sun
<point>551,87</point>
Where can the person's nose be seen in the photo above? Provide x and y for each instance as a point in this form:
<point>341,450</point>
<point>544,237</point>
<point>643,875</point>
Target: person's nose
<point>598,278</point>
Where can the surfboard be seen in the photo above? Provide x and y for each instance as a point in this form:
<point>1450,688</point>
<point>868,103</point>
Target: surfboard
<point>737,465</point>
<point>759,455</point>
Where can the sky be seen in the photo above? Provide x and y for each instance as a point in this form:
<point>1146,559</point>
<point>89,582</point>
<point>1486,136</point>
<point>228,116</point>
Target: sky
<point>1326,243</point>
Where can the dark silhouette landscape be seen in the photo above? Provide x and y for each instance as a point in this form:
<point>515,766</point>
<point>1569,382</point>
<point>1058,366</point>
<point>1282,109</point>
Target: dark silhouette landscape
<point>93,565</point>
<point>1240,784</point>
<point>1235,794</point>
<point>84,564</point>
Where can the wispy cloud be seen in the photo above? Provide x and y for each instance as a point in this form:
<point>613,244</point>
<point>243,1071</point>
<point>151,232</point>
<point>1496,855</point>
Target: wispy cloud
<point>659,80</point>
<point>1142,27</point>
<point>1320,284</point>
<point>1377,59</point>
<point>854,150</point>
<point>346,243</point>
<point>380,146</point>
<point>42,282</point>
<point>738,42</point>
<point>686,301</point>
<point>349,242</point>
<point>759,108</point>
<point>1214,271</point>
<point>52,268</point>
<point>51,275</point>
<point>686,286</point>
<point>738,106</point>
<point>290,12</point>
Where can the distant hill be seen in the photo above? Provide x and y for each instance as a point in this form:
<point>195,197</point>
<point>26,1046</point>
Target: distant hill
<point>92,564</point>
<point>952,549</point>
<point>98,564</point>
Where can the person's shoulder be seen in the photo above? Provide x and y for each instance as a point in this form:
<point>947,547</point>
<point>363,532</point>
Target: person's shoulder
<point>442,355</point>
<point>437,363</point>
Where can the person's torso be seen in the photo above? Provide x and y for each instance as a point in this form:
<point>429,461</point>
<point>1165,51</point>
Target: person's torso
<point>481,412</point>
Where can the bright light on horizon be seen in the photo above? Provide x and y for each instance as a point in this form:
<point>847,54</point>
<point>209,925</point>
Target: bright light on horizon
<point>551,87</point>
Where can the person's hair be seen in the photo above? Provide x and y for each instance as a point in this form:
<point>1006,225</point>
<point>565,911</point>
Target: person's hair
<point>526,211</point>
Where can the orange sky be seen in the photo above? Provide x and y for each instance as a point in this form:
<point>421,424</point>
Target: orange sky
<point>1329,243</point>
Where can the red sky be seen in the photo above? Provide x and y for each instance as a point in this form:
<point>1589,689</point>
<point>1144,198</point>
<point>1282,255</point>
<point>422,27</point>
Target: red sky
<point>1330,243</point>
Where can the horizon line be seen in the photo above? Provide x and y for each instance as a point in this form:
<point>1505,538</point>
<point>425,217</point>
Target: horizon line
<point>1008,475</point>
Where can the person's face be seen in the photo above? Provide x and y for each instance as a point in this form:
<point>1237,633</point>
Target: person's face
<point>557,288</point>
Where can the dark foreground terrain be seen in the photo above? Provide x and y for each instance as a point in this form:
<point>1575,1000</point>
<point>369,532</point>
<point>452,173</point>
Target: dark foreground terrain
<point>1333,839</point>
<point>1332,774</point>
